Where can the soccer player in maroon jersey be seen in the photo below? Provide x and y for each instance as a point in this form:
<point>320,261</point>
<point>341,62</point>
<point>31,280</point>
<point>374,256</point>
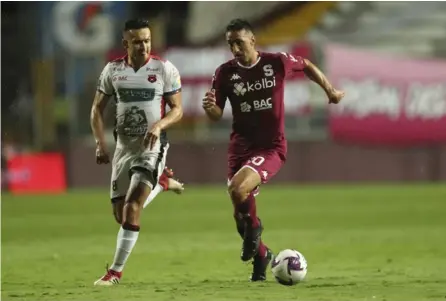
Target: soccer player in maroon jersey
<point>254,84</point>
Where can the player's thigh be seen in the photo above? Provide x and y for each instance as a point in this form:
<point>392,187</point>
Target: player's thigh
<point>120,174</point>
<point>266,163</point>
<point>118,209</point>
<point>119,182</point>
<point>145,170</point>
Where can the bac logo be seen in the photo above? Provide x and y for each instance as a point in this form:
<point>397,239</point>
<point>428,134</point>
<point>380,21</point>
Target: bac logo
<point>263,104</point>
<point>152,78</point>
<point>120,78</point>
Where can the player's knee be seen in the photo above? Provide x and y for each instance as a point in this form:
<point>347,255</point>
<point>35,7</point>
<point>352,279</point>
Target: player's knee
<point>238,192</point>
<point>132,207</point>
<point>118,217</point>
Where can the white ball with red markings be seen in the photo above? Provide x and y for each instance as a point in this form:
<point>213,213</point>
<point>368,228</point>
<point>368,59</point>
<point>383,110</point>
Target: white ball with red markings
<point>289,267</point>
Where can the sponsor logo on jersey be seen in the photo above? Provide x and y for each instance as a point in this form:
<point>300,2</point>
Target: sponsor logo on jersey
<point>264,83</point>
<point>135,95</point>
<point>119,78</point>
<point>262,104</point>
<point>176,85</point>
<point>257,105</point>
<point>239,89</point>
<point>152,69</point>
<point>267,82</point>
<point>235,76</point>
<point>245,107</point>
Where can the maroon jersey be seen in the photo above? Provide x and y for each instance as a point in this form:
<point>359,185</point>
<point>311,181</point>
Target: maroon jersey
<point>256,97</point>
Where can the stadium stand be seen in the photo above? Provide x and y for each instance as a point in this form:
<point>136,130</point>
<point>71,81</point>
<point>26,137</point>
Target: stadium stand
<point>416,30</point>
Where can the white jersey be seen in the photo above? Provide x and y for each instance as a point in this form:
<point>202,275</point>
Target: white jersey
<point>139,95</point>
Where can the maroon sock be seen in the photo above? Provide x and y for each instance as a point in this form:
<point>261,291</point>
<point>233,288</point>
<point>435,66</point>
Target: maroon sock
<point>240,224</point>
<point>262,250</point>
<point>130,227</point>
<point>249,211</point>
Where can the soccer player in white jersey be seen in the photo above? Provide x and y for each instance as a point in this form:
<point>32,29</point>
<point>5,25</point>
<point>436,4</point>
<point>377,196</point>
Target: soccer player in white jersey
<point>143,85</point>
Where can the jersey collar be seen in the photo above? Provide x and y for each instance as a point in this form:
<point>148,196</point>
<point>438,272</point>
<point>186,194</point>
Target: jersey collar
<point>253,65</point>
<point>126,61</point>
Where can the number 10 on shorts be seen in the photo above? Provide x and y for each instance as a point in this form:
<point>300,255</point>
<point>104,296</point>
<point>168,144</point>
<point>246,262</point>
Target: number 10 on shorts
<point>257,161</point>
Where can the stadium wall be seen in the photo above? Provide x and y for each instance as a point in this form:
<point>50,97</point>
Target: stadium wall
<point>308,162</point>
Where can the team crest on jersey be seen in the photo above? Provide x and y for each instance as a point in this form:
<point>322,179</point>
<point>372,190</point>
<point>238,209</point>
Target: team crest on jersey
<point>152,78</point>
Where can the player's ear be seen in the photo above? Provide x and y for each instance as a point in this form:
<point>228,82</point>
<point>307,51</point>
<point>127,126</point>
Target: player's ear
<point>253,40</point>
<point>125,43</point>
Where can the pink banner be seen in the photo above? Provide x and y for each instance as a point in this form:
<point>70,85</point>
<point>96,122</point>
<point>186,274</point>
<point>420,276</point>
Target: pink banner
<point>36,173</point>
<point>389,100</point>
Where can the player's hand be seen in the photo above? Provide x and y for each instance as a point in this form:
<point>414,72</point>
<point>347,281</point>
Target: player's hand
<point>209,100</point>
<point>152,136</point>
<point>335,96</point>
<point>102,156</point>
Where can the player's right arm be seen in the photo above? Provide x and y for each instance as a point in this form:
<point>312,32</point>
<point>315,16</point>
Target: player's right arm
<point>103,94</point>
<point>214,101</point>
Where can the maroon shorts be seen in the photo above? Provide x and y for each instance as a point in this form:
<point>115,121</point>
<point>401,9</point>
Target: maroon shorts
<point>265,162</point>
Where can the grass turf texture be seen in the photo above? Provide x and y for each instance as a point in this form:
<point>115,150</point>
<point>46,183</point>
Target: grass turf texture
<point>361,243</point>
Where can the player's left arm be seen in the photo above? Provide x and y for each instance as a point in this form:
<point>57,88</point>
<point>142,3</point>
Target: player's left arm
<point>172,95</point>
<point>317,76</point>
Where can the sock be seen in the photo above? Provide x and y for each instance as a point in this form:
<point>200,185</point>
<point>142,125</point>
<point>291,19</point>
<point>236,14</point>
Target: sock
<point>158,188</point>
<point>127,237</point>
<point>249,211</point>
<point>240,224</point>
<point>262,250</point>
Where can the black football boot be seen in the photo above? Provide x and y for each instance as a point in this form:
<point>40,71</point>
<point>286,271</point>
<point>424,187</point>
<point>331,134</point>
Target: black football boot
<point>260,265</point>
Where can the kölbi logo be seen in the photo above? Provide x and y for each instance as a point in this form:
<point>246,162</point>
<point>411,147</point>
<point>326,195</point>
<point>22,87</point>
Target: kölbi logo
<point>264,83</point>
<point>239,89</point>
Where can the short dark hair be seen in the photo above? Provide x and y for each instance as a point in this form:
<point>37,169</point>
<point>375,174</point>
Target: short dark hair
<point>136,24</point>
<point>239,24</point>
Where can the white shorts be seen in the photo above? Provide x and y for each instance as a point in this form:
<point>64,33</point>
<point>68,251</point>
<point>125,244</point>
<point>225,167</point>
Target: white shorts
<point>126,162</point>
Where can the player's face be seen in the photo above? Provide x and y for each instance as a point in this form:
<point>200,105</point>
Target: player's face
<point>137,42</point>
<point>242,44</point>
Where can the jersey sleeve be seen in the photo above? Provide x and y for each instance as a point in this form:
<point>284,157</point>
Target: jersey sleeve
<point>172,79</point>
<point>292,63</point>
<point>105,84</point>
<point>218,88</point>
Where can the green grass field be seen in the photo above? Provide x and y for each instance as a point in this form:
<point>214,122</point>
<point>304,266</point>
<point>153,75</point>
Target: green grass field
<point>361,243</point>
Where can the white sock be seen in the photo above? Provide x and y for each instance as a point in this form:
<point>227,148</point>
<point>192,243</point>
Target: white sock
<point>126,241</point>
<point>158,188</point>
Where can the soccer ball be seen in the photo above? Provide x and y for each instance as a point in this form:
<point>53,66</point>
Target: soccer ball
<point>289,267</point>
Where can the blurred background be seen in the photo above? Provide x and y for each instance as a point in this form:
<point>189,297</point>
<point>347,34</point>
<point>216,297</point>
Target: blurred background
<point>389,57</point>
